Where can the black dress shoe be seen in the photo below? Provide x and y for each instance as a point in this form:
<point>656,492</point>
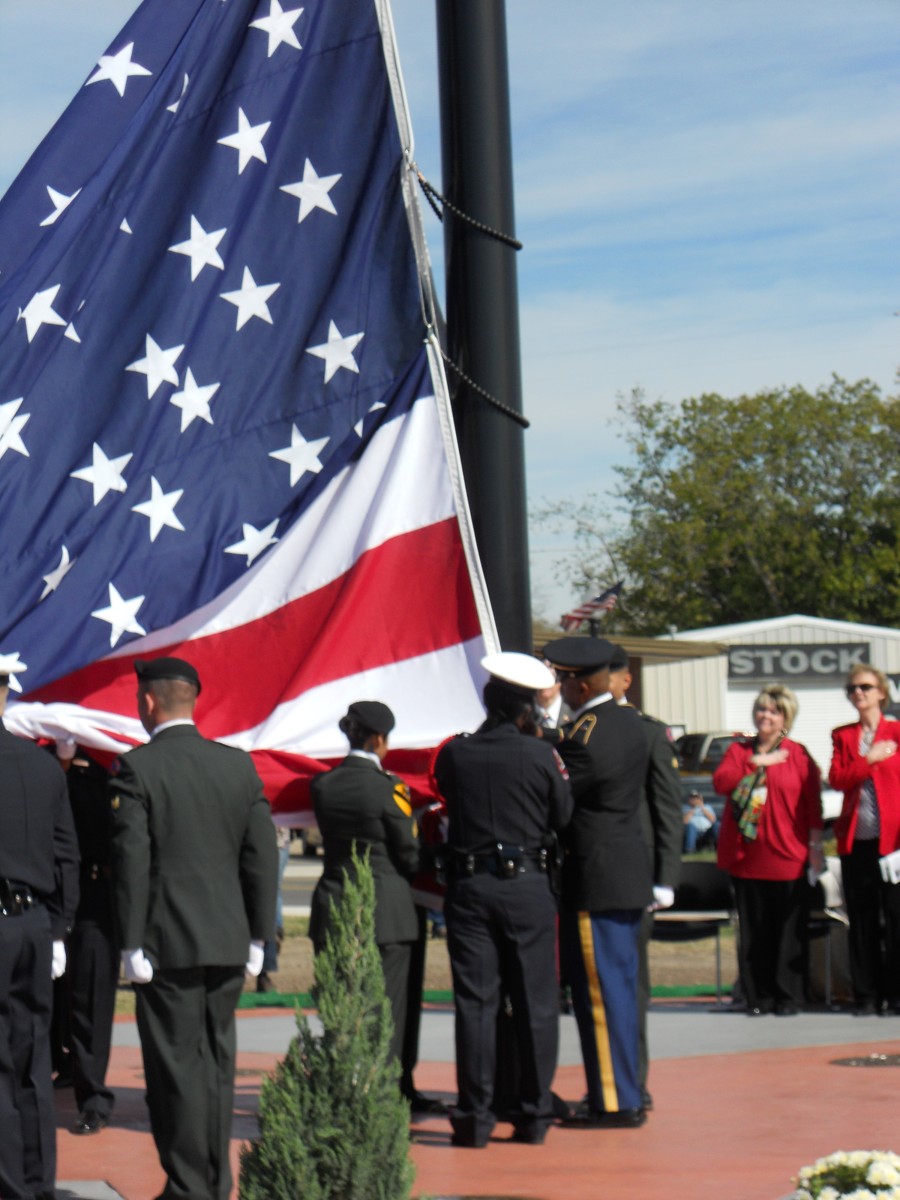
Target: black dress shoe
<point>785,1008</point>
<point>625,1118</point>
<point>470,1143</point>
<point>423,1106</point>
<point>646,1100</point>
<point>264,983</point>
<point>867,1009</point>
<point>529,1136</point>
<point>90,1121</point>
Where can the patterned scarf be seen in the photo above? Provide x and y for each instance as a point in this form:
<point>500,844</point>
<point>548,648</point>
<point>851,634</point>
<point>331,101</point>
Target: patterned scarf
<point>749,798</point>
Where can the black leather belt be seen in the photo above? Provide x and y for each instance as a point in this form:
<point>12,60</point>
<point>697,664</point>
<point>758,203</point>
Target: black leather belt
<point>505,863</point>
<point>490,866</point>
<point>16,898</point>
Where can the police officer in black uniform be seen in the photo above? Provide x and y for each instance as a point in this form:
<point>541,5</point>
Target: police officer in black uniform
<point>89,985</point>
<point>359,802</point>
<point>607,881</point>
<point>507,794</point>
<point>38,895</point>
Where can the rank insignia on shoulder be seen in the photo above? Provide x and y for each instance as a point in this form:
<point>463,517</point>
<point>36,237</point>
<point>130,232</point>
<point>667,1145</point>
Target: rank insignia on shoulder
<point>401,798</point>
<point>115,804</point>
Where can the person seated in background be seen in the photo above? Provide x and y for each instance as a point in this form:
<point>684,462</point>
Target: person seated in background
<point>700,824</point>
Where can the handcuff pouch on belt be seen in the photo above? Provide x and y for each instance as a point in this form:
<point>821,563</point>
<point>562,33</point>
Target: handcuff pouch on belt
<point>509,860</point>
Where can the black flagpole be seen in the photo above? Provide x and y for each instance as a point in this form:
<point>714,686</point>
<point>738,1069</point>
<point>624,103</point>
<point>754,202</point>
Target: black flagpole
<point>482,300</point>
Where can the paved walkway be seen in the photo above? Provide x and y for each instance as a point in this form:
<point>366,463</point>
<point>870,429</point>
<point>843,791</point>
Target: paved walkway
<point>740,1105</point>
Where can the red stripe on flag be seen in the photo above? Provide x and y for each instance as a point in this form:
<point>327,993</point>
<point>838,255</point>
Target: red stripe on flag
<point>407,597</point>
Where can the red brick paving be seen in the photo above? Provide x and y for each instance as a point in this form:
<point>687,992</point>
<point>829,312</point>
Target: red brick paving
<point>730,1127</point>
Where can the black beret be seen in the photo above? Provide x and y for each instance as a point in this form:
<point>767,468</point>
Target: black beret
<point>149,669</point>
<point>371,715</point>
<point>619,660</point>
<point>580,655</point>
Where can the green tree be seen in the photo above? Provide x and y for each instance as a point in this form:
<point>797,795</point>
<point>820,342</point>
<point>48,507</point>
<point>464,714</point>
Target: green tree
<point>332,1122</point>
<point>784,501</point>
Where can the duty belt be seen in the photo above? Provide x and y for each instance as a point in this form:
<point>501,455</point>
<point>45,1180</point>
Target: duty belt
<point>506,862</point>
<point>15,898</point>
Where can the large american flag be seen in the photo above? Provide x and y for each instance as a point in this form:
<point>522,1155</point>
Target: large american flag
<point>224,432</point>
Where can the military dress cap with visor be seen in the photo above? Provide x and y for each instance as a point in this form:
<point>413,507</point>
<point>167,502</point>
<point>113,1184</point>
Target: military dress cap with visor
<point>371,715</point>
<point>149,670</point>
<point>581,656</point>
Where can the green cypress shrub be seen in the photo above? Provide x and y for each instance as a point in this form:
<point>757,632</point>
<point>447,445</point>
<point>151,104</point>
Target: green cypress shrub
<point>333,1124</point>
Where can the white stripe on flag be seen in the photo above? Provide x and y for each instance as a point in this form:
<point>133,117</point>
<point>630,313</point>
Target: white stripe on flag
<point>430,696</point>
<point>404,461</point>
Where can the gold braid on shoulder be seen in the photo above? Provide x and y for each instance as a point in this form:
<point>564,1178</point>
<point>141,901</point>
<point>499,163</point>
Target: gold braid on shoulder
<point>583,727</point>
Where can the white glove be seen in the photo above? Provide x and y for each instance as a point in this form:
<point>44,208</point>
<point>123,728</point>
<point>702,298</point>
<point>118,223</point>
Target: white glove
<point>65,748</point>
<point>58,962</point>
<point>255,960</point>
<point>663,897</point>
<point>137,967</point>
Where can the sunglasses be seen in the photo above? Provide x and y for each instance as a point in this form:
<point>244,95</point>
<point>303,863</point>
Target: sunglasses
<point>859,687</point>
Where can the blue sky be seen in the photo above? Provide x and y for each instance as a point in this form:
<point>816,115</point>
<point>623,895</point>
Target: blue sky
<point>707,193</point>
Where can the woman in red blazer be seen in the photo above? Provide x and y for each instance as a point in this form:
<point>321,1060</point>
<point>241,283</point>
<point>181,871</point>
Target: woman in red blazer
<point>865,766</point>
<point>771,827</point>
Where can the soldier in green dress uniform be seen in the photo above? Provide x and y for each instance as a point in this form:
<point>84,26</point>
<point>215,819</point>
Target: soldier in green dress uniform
<point>359,802</point>
<point>195,880</point>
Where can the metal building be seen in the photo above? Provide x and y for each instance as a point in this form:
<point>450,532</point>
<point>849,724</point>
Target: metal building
<point>810,654</point>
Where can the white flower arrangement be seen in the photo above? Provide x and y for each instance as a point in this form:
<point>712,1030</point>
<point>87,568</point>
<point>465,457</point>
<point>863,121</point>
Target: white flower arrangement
<point>851,1175</point>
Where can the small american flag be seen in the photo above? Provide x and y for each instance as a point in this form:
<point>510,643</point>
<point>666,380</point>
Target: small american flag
<point>605,602</point>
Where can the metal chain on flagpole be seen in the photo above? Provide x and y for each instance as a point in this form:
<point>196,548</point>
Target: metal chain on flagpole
<point>430,319</point>
<point>492,400</point>
<point>432,195</point>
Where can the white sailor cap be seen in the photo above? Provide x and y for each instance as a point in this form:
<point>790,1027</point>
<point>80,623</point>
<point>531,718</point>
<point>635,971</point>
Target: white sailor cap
<point>521,670</point>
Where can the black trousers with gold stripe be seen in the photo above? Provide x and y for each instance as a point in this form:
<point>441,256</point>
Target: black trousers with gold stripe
<point>600,952</point>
